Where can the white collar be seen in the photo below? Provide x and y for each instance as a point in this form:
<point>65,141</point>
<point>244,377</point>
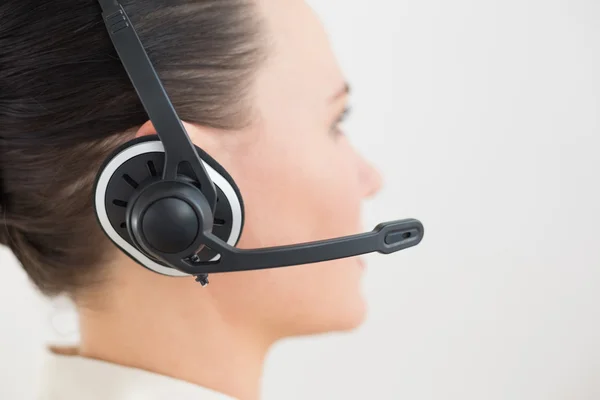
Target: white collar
<point>67,377</point>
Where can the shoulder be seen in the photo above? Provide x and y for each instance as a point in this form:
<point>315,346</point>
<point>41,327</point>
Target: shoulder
<point>67,375</point>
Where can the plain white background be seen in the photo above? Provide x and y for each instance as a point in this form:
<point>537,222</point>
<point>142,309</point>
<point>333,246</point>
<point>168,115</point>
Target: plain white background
<point>484,117</point>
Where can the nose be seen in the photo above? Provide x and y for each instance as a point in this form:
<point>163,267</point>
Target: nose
<point>371,179</point>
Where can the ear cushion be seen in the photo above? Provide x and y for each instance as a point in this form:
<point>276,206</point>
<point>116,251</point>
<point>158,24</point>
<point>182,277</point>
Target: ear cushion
<point>221,170</point>
<point>127,167</point>
<point>208,254</point>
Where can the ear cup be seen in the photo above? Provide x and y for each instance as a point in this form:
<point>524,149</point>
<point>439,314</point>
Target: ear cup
<point>140,162</point>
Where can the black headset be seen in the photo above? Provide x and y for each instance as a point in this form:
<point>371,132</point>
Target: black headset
<point>173,209</point>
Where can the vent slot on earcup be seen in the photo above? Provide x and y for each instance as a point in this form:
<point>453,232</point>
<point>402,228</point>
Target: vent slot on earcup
<point>120,203</point>
<point>219,221</point>
<point>130,181</point>
<point>151,168</point>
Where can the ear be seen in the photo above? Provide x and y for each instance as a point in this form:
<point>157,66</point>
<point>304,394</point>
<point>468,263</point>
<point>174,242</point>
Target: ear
<point>202,137</point>
<point>146,129</point>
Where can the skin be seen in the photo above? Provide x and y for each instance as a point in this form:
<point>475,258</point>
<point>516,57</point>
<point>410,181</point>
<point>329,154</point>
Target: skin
<point>301,180</point>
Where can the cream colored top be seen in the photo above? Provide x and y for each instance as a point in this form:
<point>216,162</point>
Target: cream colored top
<point>72,377</point>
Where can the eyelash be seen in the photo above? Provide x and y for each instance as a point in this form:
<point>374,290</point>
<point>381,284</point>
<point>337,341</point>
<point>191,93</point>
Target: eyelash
<point>343,117</point>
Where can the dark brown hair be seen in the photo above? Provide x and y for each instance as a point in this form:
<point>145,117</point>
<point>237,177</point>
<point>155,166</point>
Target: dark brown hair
<point>66,102</point>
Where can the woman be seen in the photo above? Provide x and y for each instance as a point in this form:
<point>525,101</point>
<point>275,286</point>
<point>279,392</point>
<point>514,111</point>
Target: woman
<point>258,88</point>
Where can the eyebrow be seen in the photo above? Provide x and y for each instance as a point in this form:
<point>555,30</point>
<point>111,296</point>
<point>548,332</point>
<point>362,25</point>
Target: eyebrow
<point>342,92</point>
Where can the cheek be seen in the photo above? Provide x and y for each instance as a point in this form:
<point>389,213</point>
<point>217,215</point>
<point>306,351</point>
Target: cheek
<point>293,195</point>
<point>335,197</point>
<point>336,203</point>
<point>308,192</point>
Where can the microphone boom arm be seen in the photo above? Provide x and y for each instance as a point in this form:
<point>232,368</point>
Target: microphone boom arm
<point>385,238</point>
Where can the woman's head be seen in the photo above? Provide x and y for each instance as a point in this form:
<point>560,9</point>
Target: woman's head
<point>257,87</point>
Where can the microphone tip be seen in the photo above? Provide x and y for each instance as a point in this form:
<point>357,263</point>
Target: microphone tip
<point>399,235</point>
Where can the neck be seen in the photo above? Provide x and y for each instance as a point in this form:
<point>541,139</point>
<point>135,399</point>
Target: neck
<point>163,333</point>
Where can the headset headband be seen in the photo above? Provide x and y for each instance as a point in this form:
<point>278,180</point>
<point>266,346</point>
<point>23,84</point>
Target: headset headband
<point>156,102</point>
